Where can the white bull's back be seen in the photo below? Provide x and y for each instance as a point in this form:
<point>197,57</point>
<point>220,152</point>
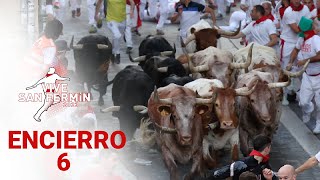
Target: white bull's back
<point>260,54</point>
<point>204,86</point>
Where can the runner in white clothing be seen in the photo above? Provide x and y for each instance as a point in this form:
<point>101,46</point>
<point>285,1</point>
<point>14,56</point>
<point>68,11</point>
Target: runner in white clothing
<point>312,8</point>
<point>308,47</point>
<point>289,38</point>
<point>262,30</point>
<point>235,19</point>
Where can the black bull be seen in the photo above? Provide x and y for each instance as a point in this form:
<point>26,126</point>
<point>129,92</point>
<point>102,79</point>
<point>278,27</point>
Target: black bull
<point>131,89</point>
<point>92,56</point>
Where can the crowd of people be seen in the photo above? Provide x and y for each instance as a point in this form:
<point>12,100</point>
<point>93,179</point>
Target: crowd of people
<point>290,27</point>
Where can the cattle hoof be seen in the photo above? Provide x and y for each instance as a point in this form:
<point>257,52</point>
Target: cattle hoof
<point>100,102</point>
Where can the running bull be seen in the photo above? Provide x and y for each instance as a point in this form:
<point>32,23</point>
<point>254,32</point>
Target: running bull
<point>130,93</point>
<point>205,38</point>
<point>92,56</point>
<point>176,115</point>
<point>260,112</point>
<point>223,120</point>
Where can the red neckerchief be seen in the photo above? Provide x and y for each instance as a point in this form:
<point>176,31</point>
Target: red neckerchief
<point>312,7</point>
<point>297,8</point>
<point>263,18</point>
<point>308,34</point>
<point>86,111</point>
<point>48,75</point>
<point>281,11</point>
<point>271,17</point>
<point>257,153</point>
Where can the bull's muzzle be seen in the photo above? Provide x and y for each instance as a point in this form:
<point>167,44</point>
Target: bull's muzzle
<point>227,125</point>
<point>186,140</point>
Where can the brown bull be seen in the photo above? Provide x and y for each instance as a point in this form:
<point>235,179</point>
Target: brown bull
<point>206,37</point>
<point>260,112</point>
<point>224,115</point>
<point>175,112</point>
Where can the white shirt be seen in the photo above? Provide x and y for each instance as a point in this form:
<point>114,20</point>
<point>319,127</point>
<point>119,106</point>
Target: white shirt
<point>308,49</point>
<point>291,17</point>
<point>260,32</point>
<point>318,156</point>
<point>250,4</point>
<point>49,56</point>
<point>314,13</point>
<point>203,2</point>
<point>236,18</point>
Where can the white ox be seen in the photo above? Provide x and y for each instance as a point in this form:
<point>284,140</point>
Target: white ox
<point>214,63</point>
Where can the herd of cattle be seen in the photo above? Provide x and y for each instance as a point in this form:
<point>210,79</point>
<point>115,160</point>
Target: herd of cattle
<point>198,102</point>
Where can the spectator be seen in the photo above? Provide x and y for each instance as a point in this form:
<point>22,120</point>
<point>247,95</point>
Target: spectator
<point>116,22</point>
<point>257,162</point>
<point>248,176</point>
<point>308,48</point>
<point>311,162</point>
<point>262,30</point>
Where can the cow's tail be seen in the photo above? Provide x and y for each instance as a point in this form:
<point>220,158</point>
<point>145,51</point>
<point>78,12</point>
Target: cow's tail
<point>104,85</point>
<point>144,135</point>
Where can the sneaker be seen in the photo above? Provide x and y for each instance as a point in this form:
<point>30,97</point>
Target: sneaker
<point>73,13</point>
<point>112,58</point>
<point>99,23</point>
<point>228,9</point>
<point>93,29</point>
<point>117,59</point>
<point>316,130</point>
<point>129,49</point>
<point>219,17</point>
<point>285,102</point>
<point>306,118</point>
<point>160,32</point>
<point>78,12</point>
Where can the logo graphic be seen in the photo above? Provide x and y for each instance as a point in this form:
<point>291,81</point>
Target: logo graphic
<point>53,92</point>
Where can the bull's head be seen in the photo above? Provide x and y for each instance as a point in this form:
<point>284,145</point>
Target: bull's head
<point>206,37</point>
<point>181,112</point>
<point>222,71</point>
<point>225,105</point>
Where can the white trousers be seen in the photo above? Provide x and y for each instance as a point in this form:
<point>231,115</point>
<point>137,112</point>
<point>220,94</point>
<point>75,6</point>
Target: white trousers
<point>91,11</point>
<point>142,7</point>
<point>75,4</point>
<point>117,29</point>
<point>285,51</point>
<point>153,5</point>
<point>222,4</point>
<point>310,88</point>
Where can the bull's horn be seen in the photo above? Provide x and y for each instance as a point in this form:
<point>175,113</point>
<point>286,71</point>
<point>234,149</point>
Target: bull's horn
<point>226,33</point>
<point>110,109</point>
<point>245,91</point>
<point>196,69</point>
<point>141,109</point>
<point>280,84</point>
<point>158,100</point>
<point>166,53</point>
<point>165,129</point>
<point>245,64</point>
<point>102,46</point>
<point>190,38</point>
<point>163,69</point>
<point>137,59</point>
<point>78,46</point>
<point>296,74</point>
<point>174,49</point>
<point>204,101</point>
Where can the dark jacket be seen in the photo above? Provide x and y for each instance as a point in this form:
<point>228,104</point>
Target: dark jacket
<point>247,164</point>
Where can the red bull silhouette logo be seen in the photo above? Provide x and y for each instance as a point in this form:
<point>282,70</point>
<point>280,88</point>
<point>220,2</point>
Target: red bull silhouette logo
<point>53,93</point>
